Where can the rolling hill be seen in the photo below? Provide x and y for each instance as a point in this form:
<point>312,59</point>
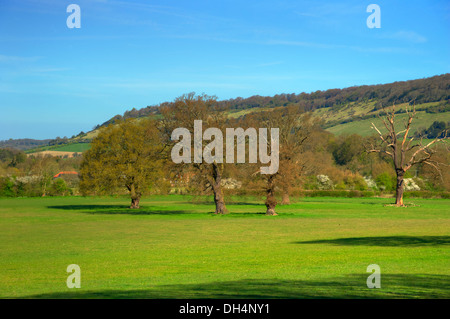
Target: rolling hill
<point>349,110</point>
<point>342,111</point>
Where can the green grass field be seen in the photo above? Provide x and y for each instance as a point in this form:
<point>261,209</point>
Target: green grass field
<point>74,147</point>
<point>174,247</point>
<point>77,147</point>
<point>363,127</point>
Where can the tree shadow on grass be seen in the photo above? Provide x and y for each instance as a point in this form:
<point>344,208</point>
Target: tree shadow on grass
<point>386,241</point>
<point>144,210</point>
<point>377,203</point>
<point>351,286</point>
<point>242,203</point>
<point>119,209</point>
<point>255,214</point>
<point>90,207</point>
<point>227,203</point>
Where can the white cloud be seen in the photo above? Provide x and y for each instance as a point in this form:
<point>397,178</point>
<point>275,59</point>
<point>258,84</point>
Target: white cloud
<point>409,36</point>
<point>10,58</point>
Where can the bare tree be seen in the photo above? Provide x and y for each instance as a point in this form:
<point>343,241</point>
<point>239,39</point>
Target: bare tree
<point>404,151</point>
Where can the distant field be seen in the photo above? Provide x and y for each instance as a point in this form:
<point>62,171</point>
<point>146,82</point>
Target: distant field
<point>175,248</point>
<point>73,148</point>
<point>89,135</point>
<point>363,127</point>
<point>355,109</point>
<point>239,113</point>
<point>78,147</point>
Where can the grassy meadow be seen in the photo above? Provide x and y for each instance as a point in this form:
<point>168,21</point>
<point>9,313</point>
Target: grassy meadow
<point>364,127</point>
<point>174,247</point>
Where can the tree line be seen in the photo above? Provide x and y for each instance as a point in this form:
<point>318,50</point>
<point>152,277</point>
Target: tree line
<point>134,154</point>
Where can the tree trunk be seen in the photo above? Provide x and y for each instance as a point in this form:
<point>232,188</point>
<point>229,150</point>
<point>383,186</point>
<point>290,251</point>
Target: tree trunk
<point>285,200</point>
<point>135,202</point>
<point>44,186</point>
<point>217,189</point>
<point>135,196</point>
<point>219,201</point>
<point>271,201</point>
<point>399,189</point>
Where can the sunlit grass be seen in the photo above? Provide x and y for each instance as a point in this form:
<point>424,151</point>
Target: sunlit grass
<point>174,247</point>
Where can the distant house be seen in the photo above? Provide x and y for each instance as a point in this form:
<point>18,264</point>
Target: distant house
<point>65,173</point>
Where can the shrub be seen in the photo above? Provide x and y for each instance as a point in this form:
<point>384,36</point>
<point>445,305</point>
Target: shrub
<point>386,182</point>
<point>7,187</point>
<point>59,188</point>
<point>338,193</point>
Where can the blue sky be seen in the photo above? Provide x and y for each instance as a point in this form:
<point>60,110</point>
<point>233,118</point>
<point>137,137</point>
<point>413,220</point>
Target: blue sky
<point>56,81</point>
